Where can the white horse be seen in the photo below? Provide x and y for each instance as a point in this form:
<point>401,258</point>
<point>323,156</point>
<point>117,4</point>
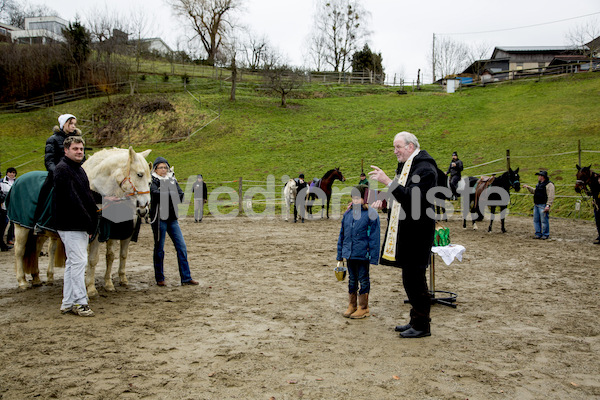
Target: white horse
<point>114,172</point>
<point>131,182</point>
<point>289,196</point>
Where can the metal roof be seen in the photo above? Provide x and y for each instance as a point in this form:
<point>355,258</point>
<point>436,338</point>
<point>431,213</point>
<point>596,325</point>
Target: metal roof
<point>535,48</point>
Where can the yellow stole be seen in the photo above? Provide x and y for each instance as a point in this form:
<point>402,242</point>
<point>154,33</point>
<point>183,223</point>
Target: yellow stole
<point>389,250</point>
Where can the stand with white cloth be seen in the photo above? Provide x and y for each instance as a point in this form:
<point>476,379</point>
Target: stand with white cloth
<point>448,254</point>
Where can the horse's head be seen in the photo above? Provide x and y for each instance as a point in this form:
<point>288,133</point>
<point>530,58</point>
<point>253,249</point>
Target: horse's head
<point>137,181</point>
<point>337,174</point>
<point>514,179</point>
<point>584,176</point>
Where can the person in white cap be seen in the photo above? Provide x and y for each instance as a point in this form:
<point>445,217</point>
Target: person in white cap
<point>54,145</point>
<point>54,152</point>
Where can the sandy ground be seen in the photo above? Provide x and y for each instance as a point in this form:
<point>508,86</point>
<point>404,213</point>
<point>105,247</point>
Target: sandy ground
<point>265,322</point>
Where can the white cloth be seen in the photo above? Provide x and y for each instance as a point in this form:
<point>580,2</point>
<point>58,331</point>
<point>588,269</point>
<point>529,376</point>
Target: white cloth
<point>76,244</point>
<point>450,252</point>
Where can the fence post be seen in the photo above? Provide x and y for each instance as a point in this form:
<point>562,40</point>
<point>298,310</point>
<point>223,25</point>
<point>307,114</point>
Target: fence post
<point>579,151</point>
<point>240,195</point>
<point>507,160</point>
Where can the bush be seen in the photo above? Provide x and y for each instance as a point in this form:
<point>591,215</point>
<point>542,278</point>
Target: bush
<point>165,77</point>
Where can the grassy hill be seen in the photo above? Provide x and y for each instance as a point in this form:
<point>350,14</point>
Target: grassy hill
<point>326,127</point>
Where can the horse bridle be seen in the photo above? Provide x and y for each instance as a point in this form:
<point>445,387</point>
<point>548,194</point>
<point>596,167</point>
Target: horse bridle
<point>135,191</point>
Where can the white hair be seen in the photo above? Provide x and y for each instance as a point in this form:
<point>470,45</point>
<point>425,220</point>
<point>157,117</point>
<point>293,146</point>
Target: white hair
<point>408,138</point>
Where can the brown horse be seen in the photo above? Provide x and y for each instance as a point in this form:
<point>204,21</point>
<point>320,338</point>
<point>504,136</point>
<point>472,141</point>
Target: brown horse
<point>323,187</point>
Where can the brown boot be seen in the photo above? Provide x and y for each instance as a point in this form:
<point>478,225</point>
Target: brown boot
<point>363,307</point>
<point>351,305</point>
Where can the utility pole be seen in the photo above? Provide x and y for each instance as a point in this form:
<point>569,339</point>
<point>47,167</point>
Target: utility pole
<point>433,58</point>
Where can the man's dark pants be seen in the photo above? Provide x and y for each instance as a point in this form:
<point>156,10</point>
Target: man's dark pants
<point>415,285</point>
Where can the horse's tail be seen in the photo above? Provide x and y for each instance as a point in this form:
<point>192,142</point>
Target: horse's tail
<point>60,255</point>
<point>30,256</point>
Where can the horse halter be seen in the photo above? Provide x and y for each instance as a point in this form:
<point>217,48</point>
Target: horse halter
<point>135,191</point>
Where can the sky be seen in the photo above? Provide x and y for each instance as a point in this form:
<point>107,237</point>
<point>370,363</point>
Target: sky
<point>402,31</point>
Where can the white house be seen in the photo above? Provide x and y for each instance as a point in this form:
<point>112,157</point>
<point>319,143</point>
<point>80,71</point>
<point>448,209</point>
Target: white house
<point>41,30</point>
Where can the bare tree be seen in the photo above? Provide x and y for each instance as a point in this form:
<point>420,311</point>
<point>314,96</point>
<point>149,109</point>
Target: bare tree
<point>256,49</point>
<point>316,50</point>
<point>340,26</point>
<point>586,37</point>
<point>283,79</point>
<point>140,27</point>
<point>450,57</point>
<point>210,19</point>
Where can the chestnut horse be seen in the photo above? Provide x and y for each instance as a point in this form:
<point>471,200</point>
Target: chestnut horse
<point>324,186</point>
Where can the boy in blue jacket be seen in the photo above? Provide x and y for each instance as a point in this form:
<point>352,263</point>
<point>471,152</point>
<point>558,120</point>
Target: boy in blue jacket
<point>358,243</point>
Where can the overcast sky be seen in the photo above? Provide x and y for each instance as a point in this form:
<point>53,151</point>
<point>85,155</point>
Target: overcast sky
<point>401,30</point>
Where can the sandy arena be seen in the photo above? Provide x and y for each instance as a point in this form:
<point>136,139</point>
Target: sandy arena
<point>265,322</point>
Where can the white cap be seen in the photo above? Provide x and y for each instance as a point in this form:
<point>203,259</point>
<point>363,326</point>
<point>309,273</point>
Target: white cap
<point>64,118</point>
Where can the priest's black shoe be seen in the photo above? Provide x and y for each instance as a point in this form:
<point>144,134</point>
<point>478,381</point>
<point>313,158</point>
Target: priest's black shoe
<point>402,328</point>
<point>412,333</point>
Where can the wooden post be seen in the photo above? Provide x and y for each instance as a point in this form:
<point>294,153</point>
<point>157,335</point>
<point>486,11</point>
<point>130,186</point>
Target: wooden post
<point>579,151</point>
<point>240,196</point>
<point>507,160</point>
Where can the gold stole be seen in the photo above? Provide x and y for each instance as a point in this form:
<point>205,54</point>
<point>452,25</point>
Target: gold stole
<point>389,250</point>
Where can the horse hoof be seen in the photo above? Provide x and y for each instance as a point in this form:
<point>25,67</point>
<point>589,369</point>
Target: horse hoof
<point>37,284</point>
<point>92,292</point>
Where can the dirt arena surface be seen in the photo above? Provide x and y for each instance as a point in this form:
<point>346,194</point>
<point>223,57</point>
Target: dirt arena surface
<point>265,322</point>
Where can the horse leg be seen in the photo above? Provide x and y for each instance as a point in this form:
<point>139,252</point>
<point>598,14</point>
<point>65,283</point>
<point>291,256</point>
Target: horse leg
<point>52,248</point>
<point>124,250</point>
<point>90,273</point>
<point>328,199</point>
<point>287,209</point>
<point>502,215</point>
<point>21,236</point>
<point>492,215</point>
<point>110,258</point>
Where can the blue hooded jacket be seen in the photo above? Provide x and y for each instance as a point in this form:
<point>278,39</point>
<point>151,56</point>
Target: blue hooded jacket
<point>359,238</point>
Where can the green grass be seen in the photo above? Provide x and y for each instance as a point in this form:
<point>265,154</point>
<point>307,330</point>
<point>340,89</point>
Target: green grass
<point>338,126</point>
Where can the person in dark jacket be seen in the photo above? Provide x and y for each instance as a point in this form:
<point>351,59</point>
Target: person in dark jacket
<point>455,171</point>
<point>165,195</point>
<point>300,184</point>
<point>411,227</point>
<point>358,243</point>
<point>54,150</point>
<point>200,198</point>
<point>76,216</point>
<point>543,197</point>
<point>53,153</point>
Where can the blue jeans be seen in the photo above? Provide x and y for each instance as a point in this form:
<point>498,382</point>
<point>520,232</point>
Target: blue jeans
<point>541,221</point>
<point>358,271</point>
<point>174,231</point>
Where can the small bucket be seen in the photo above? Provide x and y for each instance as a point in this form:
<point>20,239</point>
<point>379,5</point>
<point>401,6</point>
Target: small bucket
<point>340,271</point>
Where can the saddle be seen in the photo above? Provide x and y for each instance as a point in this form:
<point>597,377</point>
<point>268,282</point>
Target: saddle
<point>481,185</point>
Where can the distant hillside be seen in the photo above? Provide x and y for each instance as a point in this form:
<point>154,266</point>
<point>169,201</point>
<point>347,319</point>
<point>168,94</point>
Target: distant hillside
<point>342,126</point>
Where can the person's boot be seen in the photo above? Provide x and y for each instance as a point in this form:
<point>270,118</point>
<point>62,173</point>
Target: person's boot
<point>352,306</point>
<point>363,307</point>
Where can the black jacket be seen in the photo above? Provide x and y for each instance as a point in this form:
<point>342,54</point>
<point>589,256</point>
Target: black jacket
<point>170,190</point>
<point>453,171</point>
<point>415,234</point>
<point>54,151</point>
<point>74,207</point>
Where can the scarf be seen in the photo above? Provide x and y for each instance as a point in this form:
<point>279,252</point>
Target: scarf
<point>389,249</point>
